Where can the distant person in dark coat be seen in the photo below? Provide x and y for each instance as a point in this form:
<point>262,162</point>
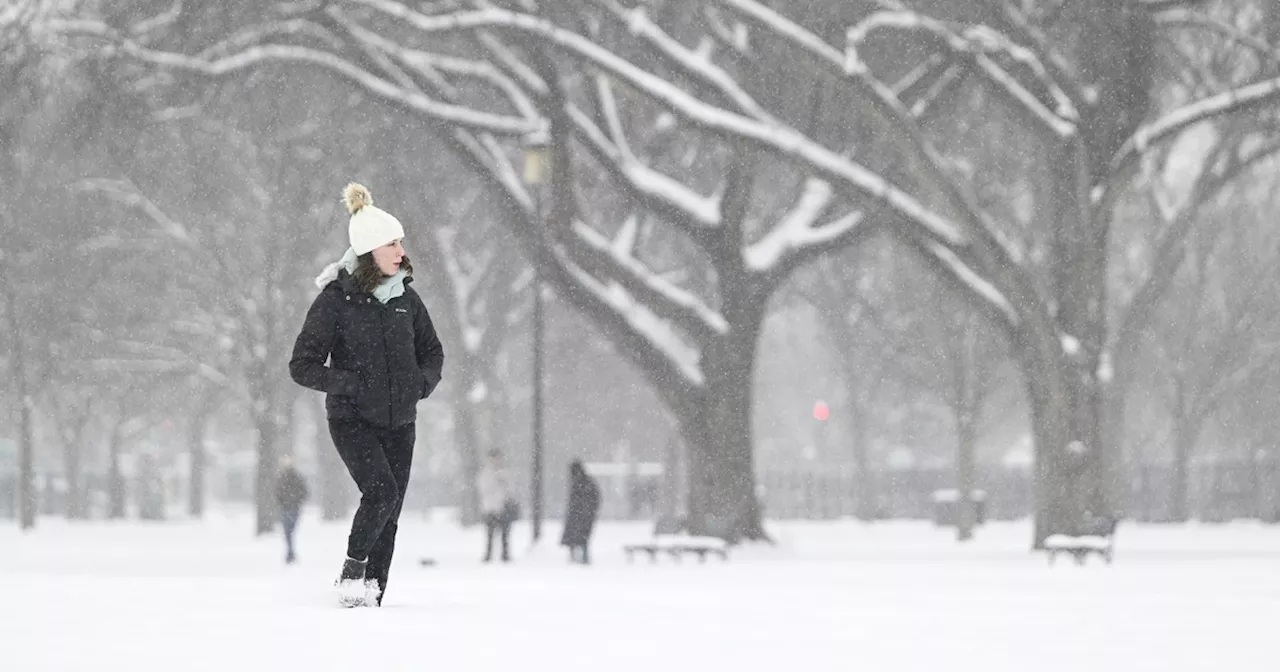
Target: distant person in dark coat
<point>580,519</point>
<point>291,493</point>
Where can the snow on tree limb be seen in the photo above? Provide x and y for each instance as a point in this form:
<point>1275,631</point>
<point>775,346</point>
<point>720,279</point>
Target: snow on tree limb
<point>666,300</point>
<point>1055,64</point>
<point>125,193</point>
<point>679,358</point>
<point>624,243</point>
<point>513,63</point>
<point>783,141</point>
<point>692,63</point>
<point>464,285</point>
<point>998,250</point>
<point>1165,128</point>
<point>647,339</point>
<point>974,46</point>
<point>796,230</point>
<point>428,63</point>
<point>975,282</point>
<point>453,114</point>
<point>259,33</point>
<point>607,104</point>
<point>1186,18</point>
<point>664,195</point>
<point>1166,5</point>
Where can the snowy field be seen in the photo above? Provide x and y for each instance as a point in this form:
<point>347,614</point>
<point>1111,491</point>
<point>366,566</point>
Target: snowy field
<point>834,596</point>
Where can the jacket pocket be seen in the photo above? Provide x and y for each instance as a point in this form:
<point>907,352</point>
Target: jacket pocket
<point>348,383</point>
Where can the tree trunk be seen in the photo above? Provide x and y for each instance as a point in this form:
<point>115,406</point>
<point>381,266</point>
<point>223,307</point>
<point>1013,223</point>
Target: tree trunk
<point>27,496</point>
<point>1186,428</point>
<point>268,427</point>
<point>1179,490</point>
<point>469,446</point>
<point>1065,422</point>
<point>1115,467</point>
<point>335,483</point>
<point>722,498</point>
<point>865,498</point>
<point>268,411</point>
<point>76,502</point>
<point>965,515</point>
<point>116,487</point>
<point>469,419</point>
<point>195,449</point>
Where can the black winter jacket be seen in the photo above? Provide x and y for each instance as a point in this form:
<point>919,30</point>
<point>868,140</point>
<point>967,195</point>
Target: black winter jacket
<point>384,357</point>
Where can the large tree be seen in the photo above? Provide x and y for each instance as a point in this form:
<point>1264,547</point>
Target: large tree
<point>1079,77</point>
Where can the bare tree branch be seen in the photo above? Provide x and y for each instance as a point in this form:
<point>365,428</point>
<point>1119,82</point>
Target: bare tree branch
<point>604,259</point>
<point>453,114</point>
<point>1241,99</point>
<point>973,47</point>
<point>1188,19</point>
<point>664,195</point>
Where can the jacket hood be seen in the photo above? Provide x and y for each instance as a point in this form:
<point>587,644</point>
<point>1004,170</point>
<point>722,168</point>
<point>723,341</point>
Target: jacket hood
<point>390,288</point>
<point>330,272</point>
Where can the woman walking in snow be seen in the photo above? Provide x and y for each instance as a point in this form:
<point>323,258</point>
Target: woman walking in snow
<point>369,344</point>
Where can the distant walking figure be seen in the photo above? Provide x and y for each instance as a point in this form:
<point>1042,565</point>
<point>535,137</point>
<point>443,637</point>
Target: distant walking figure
<point>369,344</point>
<point>497,505</point>
<point>580,518</point>
<point>291,494</point>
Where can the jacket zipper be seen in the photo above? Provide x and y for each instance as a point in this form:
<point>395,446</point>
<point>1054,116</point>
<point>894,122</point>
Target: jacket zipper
<point>386,363</point>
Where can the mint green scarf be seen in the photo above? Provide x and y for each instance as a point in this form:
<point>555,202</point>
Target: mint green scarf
<point>386,290</point>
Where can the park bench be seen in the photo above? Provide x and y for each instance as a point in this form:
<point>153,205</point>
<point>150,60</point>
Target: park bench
<point>669,538</point>
<point>1097,536</point>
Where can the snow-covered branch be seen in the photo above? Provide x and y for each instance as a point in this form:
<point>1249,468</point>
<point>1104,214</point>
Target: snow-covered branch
<point>1188,19</point>
<point>974,46</point>
<point>921,89</point>
<point>995,251</point>
<point>664,195</point>
<point>604,258</point>
<point>781,140</point>
<point>125,193</point>
<point>694,64</point>
<point>261,54</point>
<point>974,281</point>
<point>651,339</point>
<point>513,63</point>
<point>1059,71</point>
<point>1166,5</point>
<point>429,64</point>
<point>1165,128</point>
<point>647,339</point>
<point>261,33</point>
<point>798,231</point>
<point>464,283</point>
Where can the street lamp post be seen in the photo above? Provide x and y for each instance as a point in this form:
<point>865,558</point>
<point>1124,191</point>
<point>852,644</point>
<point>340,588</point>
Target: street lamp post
<point>535,163</point>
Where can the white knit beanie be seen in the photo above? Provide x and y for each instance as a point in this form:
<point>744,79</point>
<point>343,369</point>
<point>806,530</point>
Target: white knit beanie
<point>370,227</point>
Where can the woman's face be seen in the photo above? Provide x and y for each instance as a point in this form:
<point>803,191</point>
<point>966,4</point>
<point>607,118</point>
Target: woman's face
<point>388,257</point>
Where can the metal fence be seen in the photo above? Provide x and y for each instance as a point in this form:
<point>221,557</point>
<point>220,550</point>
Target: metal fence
<point>1218,491</point>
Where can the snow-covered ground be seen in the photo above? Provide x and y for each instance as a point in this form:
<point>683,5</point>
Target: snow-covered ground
<point>833,596</point>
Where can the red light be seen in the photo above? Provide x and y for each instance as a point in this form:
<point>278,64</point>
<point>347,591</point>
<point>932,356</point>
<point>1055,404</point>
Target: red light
<point>821,412</point>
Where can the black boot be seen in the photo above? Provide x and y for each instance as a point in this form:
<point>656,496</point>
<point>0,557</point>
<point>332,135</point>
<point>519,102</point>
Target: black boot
<point>353,589</point>
<point>353,570</point>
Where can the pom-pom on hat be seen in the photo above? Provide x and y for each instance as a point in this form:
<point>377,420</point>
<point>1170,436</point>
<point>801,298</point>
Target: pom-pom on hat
<point>370,227</point>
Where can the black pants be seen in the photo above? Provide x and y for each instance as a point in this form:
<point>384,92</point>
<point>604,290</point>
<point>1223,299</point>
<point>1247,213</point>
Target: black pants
<point>495,524</point>
<point>378,461</point>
